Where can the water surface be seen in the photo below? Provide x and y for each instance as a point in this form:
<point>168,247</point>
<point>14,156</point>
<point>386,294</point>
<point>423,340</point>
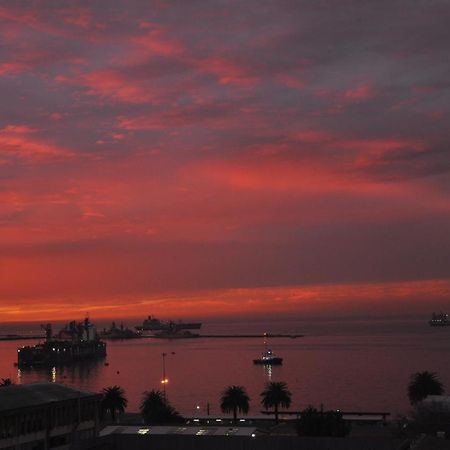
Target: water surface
<point>362,367</point>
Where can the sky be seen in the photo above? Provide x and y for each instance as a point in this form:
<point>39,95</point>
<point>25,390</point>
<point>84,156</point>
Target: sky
<point>209,158</point>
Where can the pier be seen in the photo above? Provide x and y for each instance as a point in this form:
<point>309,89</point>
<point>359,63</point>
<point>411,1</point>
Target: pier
<point>20,337</point>
<point>268,335</point>
<point>224,336</point>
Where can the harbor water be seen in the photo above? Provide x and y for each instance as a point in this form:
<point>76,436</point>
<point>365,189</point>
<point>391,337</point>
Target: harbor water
<point>352,366</point>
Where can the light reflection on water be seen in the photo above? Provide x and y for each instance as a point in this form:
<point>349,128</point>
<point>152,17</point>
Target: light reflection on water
<point>268,371</point>
<point>348,372</point>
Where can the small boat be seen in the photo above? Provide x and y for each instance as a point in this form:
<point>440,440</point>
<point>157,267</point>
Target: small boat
<point>267,357</point>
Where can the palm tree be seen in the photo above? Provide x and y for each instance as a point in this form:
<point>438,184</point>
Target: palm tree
<point>276,394</point>
<point>113,400</point>
<point>234,399</point>
<point>156,409</point>
<point>423,384</point>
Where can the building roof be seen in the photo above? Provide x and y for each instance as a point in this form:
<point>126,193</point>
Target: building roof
<point>20,396</point>
<point>436,398</point>
<point>180,430</point>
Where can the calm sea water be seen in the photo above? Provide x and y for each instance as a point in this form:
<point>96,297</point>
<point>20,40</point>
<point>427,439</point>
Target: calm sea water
<point>347,365</point>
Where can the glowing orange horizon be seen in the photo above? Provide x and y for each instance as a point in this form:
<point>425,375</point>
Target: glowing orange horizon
<point>338,299</point>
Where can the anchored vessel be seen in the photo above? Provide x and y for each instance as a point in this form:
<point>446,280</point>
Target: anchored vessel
<point>75,342</point>
<point>121,332</point>
<point>439,320</point>
<point>154,324</point>
<point>268,357</point>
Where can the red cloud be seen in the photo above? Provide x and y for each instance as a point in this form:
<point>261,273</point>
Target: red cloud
<point>361,92</point>
<point>11,67</point>
<point>110,83</point>
<point>15,142</point>
<point>80,17</point>
<point>157,43</point>
<point>226,71</point>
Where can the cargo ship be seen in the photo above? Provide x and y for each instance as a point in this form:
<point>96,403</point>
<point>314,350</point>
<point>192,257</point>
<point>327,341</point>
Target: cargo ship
<point>75,342</point>
<point>119,332</point>
<point>439,320</point>
<point>154,324</point>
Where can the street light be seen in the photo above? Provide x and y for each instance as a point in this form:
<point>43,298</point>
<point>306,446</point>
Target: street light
<point>164,379</point>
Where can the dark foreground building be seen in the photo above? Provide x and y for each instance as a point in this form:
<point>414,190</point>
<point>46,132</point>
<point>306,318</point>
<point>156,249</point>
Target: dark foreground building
<point>45,416</point>
<point>182,437</point>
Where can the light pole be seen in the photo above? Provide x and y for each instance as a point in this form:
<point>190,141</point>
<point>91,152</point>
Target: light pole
<point>164,379</point>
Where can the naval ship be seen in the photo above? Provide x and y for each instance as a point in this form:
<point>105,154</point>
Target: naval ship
<point>75,342</point>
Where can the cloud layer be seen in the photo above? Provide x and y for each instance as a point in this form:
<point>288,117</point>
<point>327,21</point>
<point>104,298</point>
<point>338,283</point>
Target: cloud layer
<point>150,148</point>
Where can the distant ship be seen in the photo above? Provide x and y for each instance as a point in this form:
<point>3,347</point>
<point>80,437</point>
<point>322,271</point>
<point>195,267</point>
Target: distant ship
<point>439,320</point>
<point>121,332</point>
<point>75,342</point>
<point>179,334</point>
<point>268,358</point>
<point>154,324</point>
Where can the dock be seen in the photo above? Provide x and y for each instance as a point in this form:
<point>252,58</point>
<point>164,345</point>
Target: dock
<point>20,337</point>
<point>268,335</point>
<point>225,336</point>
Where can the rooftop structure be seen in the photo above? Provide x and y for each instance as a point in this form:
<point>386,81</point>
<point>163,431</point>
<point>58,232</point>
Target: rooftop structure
<point>46,415</point>
<point>231,437</point>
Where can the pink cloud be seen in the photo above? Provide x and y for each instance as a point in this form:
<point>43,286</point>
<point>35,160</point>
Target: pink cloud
<point>361,92</point>
<point>288,80</point>
<point>15,142</point>
<point>109,83</point>
<point>11,67</point>
<point>156,42</point>
<point>80,17</point>
<point>227,71</point>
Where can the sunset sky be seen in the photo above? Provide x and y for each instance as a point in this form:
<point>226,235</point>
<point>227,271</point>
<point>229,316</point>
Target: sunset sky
<point>199,158</point>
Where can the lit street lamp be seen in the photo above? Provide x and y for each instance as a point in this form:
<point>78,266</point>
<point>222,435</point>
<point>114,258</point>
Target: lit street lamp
<point>164,379</point>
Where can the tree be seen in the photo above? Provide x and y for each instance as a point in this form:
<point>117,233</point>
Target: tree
<point>423,384</point>
<point>234,399</point>
<point>276,394</point>
<point>113,400</point>
<point>155,409</point>
<point>322,423</point>
<point>6,382</point>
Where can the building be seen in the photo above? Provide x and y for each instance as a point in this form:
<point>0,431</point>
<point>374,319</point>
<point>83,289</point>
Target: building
<point>45,416</point>
<point>211,437</point>
<point>441,402</point>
